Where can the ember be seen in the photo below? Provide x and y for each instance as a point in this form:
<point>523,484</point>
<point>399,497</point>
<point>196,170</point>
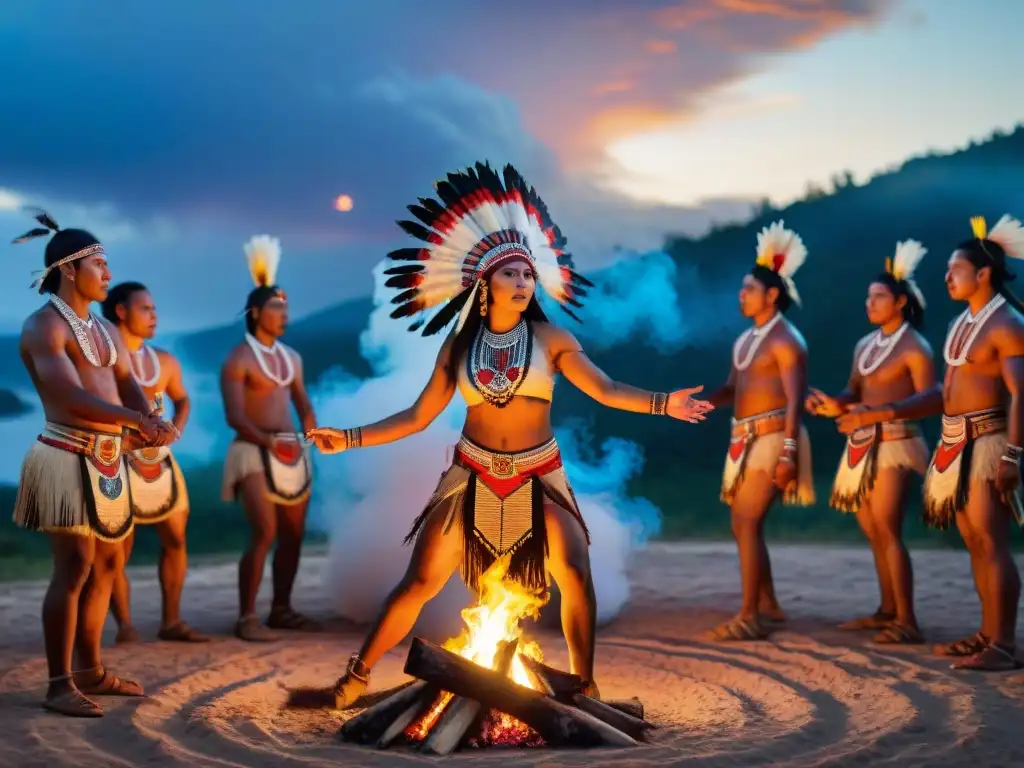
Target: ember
<point>490,687</point>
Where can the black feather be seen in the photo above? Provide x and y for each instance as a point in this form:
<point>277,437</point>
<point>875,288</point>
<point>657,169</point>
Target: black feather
<point>416,230</point>
<point>578,278</point>
<point>32,234</point>
<point>404,269</point>
<point>410,308</point>
<point>447,313</point>
<point>570,313</point>
<point>571,300</point>
<point>44,218</point>
<point>405,296</point>
<point>435,208</point>
<point>422,214</point>
<point>416,326</point>
<point>403,281</point>
<point>407,254</point>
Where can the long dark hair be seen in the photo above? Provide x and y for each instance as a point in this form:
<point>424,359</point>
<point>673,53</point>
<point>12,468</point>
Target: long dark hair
<point>464,338</point>
<point>119,295</point>
<point>913,312</point>
<point>988,253</point>
<point>769,278</point>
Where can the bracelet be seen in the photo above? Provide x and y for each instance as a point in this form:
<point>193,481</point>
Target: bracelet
<point>659,403</point>
<point>353,438</point>
<point>1013,454</point>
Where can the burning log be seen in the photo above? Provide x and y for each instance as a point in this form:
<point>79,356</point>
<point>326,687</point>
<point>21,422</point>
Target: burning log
<point>416,708</point>
<point>462,713</point>
<point>369,725</point>
<point>559,724</point>
<point>567,688</point>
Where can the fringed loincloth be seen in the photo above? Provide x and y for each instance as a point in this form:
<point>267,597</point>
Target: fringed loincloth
<point>287,469</point>
<point>158,485</point>
<point>498,499</point>
<point>75,481</point>
<point>755,445</point>
<point>891,444</point>
<point>969,452</point>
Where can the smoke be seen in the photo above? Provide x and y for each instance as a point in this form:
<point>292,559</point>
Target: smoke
<point>367,499</point>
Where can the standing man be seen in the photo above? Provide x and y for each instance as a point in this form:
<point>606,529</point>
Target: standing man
<point>889,365</point>
<point>268,465</point>
<point>974,475</point>
<point>74,484</point>
<point>159,496</point>
<point>769,451</point>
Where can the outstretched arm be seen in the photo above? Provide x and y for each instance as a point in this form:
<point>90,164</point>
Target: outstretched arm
<point>43,344</point>
<point>573,363</point>
<point>300,398</point>
<point>428,406</point>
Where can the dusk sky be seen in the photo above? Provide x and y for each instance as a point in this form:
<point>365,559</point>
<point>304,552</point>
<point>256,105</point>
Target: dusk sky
<point>175,131</point>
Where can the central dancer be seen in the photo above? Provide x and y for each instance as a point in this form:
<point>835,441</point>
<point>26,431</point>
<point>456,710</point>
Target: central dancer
<point>487,244</point>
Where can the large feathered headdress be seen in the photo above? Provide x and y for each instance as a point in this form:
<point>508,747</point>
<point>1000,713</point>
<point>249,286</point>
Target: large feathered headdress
<point>902,265</point>
<point>66,245</point>
<point>781,252</point>
<point>482,221</point>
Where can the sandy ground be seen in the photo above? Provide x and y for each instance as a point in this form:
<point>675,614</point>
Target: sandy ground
<point>810,696</point>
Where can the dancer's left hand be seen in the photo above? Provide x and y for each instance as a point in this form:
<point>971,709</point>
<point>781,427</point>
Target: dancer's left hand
<point>1007,480</point>
<point>860,416</point>
<point>685,408</point>
<point>786,473</point>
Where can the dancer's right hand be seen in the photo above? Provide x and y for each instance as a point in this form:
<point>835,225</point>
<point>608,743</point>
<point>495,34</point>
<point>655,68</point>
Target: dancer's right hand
<point>328,440</point>
<point>820,404</point>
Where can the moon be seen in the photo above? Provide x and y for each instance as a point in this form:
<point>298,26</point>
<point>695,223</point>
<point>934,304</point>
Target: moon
<point>343,203</point>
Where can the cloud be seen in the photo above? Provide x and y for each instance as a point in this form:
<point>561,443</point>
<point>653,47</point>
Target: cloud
<point>273,112</point>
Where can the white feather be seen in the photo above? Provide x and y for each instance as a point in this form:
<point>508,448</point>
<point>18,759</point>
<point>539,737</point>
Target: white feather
<point>912,287</point>
<point>774,239</point>
<point>1009,233</point>
<point>263,254</point>
<point>908,255</point>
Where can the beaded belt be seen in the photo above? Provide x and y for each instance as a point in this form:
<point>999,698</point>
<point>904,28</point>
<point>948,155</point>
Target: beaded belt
<point>973,425</point>
<point>504,465</point>
<point>760,424</point>
<point>105,447</point>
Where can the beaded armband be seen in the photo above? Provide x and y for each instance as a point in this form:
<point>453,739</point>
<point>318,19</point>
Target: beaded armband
<point>1013,454</point>
<point>659,403</point>
<point>788,449</point>
<point>353,438</point>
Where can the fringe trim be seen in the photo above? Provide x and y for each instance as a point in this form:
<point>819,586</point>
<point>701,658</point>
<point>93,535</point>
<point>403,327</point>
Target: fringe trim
<point>946,494</point>
<point>50,494</point>
<point>762,454</point>
<point>527,557</point>
<point>177,497</point>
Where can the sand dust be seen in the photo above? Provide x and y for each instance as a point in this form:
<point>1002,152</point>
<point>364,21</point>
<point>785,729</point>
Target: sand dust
<point>810,696</point>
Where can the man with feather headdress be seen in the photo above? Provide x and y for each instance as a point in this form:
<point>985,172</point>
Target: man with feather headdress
<point>974,475</point>
<point>74,483</point>
<point>769,452</point>
<point>268,466</point>
<point>892,363</point>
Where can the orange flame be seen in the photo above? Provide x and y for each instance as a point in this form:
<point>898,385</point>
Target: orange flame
<point>493,621</point>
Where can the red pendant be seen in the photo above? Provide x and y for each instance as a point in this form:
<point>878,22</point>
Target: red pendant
<point>485,376</point>
<point>512,373</point>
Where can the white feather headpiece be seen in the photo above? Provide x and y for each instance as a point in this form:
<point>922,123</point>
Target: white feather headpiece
<point>782,251</point>
<point>1007,232</point>
<point>481,220</point>
<point>902,265</point>
<point>264,256</point>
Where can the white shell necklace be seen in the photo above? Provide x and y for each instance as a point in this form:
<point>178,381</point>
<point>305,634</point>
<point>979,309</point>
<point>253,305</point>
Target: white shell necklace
<point>81,330</point>
<point>154,362</point>
<point>883,345</point>
<point>759,335</point>
<point>261,351</point>
<point>977,322</point>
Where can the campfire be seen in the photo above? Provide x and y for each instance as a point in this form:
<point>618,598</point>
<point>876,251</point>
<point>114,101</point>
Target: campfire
<point>490,687</point>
